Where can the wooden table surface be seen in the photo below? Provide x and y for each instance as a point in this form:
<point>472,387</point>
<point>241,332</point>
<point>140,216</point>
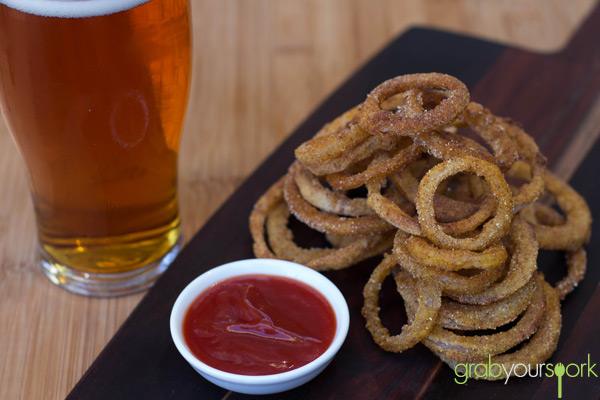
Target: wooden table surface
<point>260,67</point>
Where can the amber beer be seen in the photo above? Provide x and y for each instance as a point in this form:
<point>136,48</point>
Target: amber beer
<point>94,93</point>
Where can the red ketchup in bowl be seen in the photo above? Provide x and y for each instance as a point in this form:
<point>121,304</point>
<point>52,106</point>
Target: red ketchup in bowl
<point>259,325</point>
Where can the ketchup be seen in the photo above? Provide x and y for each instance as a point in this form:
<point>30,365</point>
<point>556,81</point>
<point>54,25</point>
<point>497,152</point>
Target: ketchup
<point>259,325</point>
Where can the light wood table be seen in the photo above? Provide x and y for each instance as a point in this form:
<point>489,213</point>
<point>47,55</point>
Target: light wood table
<point>260,67</point>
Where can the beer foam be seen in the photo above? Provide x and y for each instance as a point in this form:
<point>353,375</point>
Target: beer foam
<point>72,8</point>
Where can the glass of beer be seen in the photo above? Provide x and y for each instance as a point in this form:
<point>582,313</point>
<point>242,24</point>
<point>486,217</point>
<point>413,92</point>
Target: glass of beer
<point>94,94</point>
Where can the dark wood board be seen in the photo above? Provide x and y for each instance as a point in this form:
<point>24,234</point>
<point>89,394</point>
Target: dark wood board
<point>557,99</point>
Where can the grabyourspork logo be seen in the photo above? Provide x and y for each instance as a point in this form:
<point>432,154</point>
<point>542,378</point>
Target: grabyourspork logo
<point>496,371</point>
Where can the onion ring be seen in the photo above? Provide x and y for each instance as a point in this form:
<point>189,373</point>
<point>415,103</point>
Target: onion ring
<point>530,155</point>
<point>451,283</point>
<point>385,166</point>
<point>423,320</point>
<point>334,202</point>
<point>541,214</point>
<point>328,223</point>
<point>272,212</point>
<point>523,263</point>
<point>401,219</point>
<point>445,146</point>
<point>377,121</point>
<point>538,215</point>
<point>496,343</point>
<point>536,351</point>
<point>576,267</point>
<point>493,131</point>
<point>332,140</point>
<point>339,144</point>
<point>271,198</point>
<point>321,259</point>
<point>281,238</point>
<point>448,210</point>
<point>452,260</point>
<point>577,228</point>
<point>391,212</point>
<point>492,230</point>
<point>352,156</point>
<point>454,315</point>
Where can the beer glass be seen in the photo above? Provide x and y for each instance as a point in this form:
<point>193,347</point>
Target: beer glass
<point>94,94</point>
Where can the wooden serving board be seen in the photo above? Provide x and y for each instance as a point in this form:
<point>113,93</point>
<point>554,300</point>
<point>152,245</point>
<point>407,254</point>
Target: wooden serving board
<point>557,99</point>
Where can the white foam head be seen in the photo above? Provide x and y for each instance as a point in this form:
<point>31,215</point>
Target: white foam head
<point>72,8</point>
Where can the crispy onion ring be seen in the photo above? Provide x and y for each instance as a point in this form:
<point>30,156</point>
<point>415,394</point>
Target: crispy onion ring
<point>523,263</point>
<point>374,119</point>
<point>329,223</point>
<point>492,230</point>
<point>271,212</point>
<point>423,320</point>
<point>271,198</point>
<point>386,165</point>
<point>450,282</point>
<point>493,131</point>
<point>334,202</point>
<point>446,209</point>
<point>401,219</point>
<point>577,228</point>
<point>339,144</point>
<point>537,350</point>
<point>281,240</point>
<point>530,155</point>
<point>539,214</point>
<point>391,212</point>
<point>379,247</point>
<point>452,260</point>
<point>445,146</point>
<point>332,140</point>
<point>495,343</point>
<point>352,156</point>
<point>576,267</point>
<point>455,315</point>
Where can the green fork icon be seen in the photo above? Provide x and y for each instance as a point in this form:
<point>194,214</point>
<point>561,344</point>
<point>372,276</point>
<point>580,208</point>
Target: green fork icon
<point>559,371</point>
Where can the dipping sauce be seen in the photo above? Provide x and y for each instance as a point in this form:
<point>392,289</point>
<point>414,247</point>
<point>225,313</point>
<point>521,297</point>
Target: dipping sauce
<point>259,325</point>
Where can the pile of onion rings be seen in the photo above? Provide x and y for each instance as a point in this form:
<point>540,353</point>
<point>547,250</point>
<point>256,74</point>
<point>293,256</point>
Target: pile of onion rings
<point>457,203</point>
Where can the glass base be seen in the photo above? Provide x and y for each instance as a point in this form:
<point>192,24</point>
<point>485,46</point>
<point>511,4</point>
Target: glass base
<point>105,284</point>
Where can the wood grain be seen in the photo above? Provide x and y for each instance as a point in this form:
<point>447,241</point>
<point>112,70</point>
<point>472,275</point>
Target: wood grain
<point>259,68</point>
